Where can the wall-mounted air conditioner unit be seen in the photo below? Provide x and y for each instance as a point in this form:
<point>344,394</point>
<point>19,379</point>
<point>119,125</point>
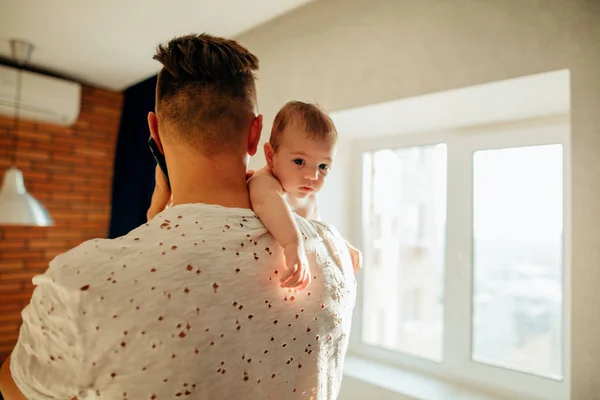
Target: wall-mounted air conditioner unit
<point>43,98</point>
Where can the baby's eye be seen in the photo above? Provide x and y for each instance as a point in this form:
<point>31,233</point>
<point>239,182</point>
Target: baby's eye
<point>299,161</point>
<point>324,167</point>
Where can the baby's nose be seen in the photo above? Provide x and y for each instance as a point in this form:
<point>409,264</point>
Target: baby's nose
<point>312,175</point>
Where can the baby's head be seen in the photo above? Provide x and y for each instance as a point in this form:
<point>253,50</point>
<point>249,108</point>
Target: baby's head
<point>302,147</point>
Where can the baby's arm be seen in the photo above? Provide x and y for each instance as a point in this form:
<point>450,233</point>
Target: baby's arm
<point>356,257</point>
<point>269,204</point>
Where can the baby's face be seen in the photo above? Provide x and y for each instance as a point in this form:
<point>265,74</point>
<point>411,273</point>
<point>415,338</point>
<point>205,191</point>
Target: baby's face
<point>301,164</point>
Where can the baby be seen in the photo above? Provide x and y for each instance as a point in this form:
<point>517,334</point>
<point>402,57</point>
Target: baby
<point>299,155</point>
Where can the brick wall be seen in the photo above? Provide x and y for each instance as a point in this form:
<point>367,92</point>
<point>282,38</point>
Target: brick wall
<point>68,169</point>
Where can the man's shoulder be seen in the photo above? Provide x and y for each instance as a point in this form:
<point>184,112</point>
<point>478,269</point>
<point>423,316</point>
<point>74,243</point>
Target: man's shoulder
<point>72,269</point>
<point>328,245</point>
<point>316,228</point>
<point>319,230</point>
<point>182,229</point>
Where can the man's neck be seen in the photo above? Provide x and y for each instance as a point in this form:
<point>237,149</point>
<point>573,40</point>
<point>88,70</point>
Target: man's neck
<point>200,179</point>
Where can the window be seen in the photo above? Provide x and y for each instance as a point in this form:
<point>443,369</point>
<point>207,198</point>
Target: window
<point>517,258</point>
<point>405,199</point>
<point>465,241</point>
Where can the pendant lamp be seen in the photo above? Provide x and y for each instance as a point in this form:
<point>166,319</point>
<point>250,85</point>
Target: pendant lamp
<point>17,207</point>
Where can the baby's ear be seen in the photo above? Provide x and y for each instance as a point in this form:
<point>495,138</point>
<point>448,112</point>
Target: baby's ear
<point>269,154</point>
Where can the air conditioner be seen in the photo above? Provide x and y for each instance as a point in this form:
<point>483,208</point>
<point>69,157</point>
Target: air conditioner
<point>43,98</point>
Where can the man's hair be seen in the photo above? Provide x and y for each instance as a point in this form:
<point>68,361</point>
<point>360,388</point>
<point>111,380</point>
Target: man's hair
<point>206,90</point>
<point>314,122</point>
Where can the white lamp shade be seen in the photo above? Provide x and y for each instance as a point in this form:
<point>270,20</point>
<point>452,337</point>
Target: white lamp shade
<point>17,207</point>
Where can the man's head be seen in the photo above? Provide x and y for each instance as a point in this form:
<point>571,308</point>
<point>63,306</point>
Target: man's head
<point>302,147</point>
<point>206,96</point>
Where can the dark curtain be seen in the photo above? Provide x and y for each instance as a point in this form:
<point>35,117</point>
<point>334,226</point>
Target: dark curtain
<point>133,176</point>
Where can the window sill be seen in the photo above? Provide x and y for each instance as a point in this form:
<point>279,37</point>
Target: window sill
<point>408,385</point>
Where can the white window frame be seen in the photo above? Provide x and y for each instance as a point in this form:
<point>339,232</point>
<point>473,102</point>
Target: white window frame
<point>457,364</point>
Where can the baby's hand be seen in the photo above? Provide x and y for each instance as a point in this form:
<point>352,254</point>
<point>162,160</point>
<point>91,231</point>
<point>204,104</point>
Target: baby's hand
<point>356,257</point>
<point>297,274</point>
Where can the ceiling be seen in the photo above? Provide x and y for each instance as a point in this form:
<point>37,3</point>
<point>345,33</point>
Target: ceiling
<point>110,43</point>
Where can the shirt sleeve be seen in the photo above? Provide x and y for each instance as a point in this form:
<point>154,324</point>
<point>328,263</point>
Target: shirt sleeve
<point>46,362</point>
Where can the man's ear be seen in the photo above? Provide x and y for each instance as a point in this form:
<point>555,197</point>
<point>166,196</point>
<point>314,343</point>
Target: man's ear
<point>254,134</point>
<point>269,154</point>
<point>153,125</point>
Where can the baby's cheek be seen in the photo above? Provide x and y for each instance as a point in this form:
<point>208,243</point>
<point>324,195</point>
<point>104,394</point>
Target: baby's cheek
<point>282,176</point>
<point>290,179</point>
<point>287,184</point>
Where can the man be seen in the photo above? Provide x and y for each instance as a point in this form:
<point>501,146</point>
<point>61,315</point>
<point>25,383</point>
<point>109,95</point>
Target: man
<point>191,304</point>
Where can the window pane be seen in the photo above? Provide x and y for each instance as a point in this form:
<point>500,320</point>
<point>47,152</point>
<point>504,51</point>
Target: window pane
<point>518,250</point>
<point>404,217</point>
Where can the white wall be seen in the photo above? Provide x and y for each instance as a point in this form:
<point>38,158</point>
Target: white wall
<point>335,204</point>
<point>348,53</point>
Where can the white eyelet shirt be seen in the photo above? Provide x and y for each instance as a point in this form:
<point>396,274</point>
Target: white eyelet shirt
<point>188,306</point>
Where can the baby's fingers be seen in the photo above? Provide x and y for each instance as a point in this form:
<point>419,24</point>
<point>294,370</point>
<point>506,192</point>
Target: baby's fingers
<point>295,279</point>
<point>306,279</point>
<point>287,274</point>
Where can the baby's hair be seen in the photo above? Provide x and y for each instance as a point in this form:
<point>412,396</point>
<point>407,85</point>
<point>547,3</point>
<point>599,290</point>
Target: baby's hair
<point>315,122</point>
